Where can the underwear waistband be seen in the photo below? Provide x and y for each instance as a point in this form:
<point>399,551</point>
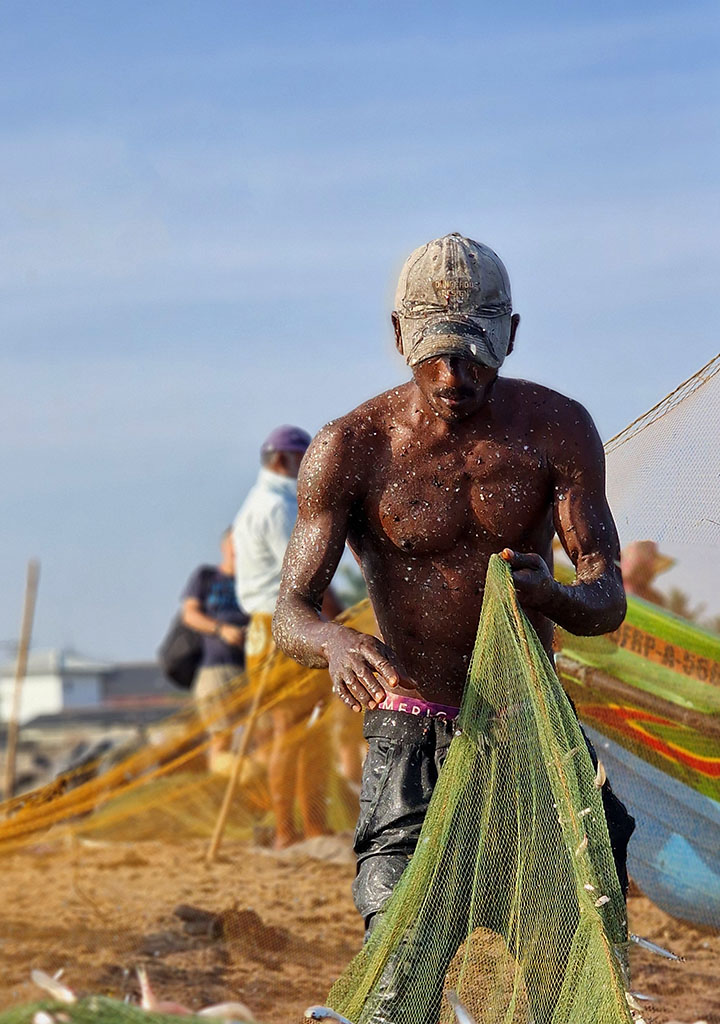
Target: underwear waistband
<point>416,706</point>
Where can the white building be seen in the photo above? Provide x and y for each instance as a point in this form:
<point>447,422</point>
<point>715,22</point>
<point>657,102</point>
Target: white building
<point>60,682</point>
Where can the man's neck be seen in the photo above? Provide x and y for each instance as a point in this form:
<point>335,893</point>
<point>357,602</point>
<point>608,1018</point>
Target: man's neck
<point>280,478</point>
<point>443,426</point>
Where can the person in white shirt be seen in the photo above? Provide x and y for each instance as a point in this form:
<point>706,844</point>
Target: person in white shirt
<point>263,525</point>
<point>300,754</point>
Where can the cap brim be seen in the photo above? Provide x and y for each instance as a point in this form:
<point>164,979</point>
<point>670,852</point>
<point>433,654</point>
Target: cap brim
<point>485,340</point>
<point>266,449</point>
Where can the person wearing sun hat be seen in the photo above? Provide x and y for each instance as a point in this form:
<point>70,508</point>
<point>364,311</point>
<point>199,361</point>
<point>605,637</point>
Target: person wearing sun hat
<point>641,561</point>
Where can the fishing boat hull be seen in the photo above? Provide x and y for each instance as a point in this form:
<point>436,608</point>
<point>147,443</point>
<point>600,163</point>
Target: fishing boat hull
<point>674,854</point>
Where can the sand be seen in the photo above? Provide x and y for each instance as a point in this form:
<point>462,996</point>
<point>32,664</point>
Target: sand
<point>271,929</point>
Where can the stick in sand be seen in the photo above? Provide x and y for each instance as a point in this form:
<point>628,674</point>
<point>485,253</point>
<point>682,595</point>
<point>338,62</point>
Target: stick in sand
<point>33,573</point>
<point>235,773</point>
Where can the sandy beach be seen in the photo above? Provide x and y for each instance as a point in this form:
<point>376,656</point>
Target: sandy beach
<point>271,929</point>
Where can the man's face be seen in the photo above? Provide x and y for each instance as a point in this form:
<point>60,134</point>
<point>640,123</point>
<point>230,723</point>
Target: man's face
<point>454,387</point>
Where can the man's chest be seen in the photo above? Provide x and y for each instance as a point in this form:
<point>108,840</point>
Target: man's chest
<point>426,500</point>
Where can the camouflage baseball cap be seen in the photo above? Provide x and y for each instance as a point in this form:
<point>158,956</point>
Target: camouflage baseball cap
<point>453,298</point>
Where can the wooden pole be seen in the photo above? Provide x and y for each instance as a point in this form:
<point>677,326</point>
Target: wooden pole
<point>235,773</point>
<point>31,585</point>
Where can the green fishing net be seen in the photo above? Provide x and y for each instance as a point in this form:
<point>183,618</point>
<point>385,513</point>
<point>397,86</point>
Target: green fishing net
<point>512,897</point>
<point>92,1010</point>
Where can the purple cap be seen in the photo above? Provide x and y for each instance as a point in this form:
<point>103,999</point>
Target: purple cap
<point>286,439</point>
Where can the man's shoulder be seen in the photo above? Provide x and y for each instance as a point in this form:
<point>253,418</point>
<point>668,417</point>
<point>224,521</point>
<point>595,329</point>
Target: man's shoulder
<point>560,425</point>
<point>260,498</point>
<point>344,451</point>
<point>364,423</point>
<point>205,572</point>
<point>199,579</point>
<point>268,511</point>
<point>543,403</point>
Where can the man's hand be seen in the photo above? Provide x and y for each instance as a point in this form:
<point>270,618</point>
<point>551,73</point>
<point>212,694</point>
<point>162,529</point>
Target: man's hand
<point>532,578</point>
<point>232,635</point>
<point>360,666</point>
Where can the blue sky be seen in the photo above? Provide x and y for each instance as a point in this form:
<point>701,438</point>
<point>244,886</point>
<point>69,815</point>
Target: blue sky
<point>204,209</point>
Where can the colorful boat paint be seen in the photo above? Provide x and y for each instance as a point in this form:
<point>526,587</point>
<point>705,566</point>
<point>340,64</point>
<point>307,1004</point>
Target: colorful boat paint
<point>674,854</point>
<point>649,698</point>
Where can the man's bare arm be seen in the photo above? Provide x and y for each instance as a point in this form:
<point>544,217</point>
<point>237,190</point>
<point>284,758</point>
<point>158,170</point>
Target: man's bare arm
<point>359,665</point>
<point>595,602</point>
<point>194,617</point>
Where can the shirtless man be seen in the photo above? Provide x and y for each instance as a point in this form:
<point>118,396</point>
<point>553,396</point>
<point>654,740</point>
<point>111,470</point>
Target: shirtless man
<point>425,482</point>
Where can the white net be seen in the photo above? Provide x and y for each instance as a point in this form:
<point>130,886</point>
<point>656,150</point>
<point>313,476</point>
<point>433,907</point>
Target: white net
<point>663,470</point>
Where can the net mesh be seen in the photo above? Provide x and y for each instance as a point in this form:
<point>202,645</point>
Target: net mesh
<point>662,470</point>
<point>511,898</point>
